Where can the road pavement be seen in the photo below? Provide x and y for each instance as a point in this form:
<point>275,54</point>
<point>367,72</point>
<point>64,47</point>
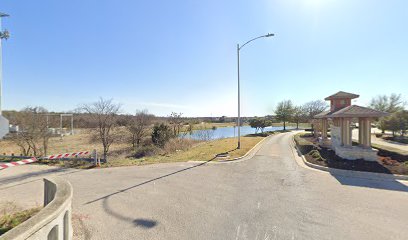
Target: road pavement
<point>268,196</point>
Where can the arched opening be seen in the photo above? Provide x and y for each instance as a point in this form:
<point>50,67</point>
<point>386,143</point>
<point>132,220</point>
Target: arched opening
<point>66,225</point>
<point>53,234</point>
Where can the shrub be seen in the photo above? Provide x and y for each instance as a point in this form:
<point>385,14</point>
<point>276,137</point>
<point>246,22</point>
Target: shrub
<point>264,134</point>
<point>145,151</point>
<point>178,144</point>
<point>316,155</point>
<point>389,161</point>
<point>378,135</point>
<point>161,134</point>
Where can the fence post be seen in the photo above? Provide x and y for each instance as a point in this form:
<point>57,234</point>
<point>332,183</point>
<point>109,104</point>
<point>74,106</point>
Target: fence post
<point>95,156</point>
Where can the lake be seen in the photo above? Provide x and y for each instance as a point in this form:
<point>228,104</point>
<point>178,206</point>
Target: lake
<point>226,132</point>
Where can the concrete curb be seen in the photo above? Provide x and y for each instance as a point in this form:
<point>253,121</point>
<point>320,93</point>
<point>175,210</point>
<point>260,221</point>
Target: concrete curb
<point>249,152</point>
<point>238,159</point>
<point>348,173</point>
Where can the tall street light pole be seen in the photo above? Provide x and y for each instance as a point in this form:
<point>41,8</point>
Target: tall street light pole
<point>3,35</point>
<point>4,123</point>
<point>239,94</point>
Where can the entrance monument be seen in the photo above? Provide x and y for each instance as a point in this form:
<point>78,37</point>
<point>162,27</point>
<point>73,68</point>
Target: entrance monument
<point>340,118</point>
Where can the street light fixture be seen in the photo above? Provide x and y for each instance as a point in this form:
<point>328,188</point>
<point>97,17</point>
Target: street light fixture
<point>239,97</point>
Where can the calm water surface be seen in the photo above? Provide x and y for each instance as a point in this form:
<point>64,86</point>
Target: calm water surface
<point>226,132</point>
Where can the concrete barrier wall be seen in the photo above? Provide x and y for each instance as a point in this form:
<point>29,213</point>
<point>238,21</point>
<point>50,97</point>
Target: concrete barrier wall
<point>53,222</point>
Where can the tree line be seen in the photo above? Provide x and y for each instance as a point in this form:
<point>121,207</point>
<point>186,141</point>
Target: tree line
<point>286,111</point>
<point>397,121</point>
<point>105,123</point>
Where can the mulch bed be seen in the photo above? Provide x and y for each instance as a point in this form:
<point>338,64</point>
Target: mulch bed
<point>385,164</point>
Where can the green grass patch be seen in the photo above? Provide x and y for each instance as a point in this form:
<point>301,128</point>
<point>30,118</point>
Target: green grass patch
<point>9,221</point>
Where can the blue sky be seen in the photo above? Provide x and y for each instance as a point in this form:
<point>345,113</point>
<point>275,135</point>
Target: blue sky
<point>181,55</point>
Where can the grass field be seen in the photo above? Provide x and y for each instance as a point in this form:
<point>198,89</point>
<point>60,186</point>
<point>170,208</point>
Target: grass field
<point>79,142</point>
<point>120,150</point>
<point>201,152</point>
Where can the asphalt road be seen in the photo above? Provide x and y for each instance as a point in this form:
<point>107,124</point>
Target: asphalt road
<point>268,196</point>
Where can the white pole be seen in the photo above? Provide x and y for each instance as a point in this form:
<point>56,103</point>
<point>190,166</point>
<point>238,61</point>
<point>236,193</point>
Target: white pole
<point>239,105</point>
<point>1,74</point>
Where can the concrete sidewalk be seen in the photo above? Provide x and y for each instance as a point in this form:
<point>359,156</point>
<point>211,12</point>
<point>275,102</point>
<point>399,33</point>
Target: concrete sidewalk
<point>380,141</point>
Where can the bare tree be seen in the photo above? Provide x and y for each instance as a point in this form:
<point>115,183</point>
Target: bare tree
<point>299,115</point>
<point>176,122</point>
<point>34,135</point>
<point>103,113</point>
<point>139,126</point>
<point>313,108</point>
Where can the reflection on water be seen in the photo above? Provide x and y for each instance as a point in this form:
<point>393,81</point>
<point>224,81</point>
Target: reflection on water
<point>225,132</point>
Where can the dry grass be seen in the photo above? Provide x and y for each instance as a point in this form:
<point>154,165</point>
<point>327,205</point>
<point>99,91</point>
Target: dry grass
<point>176,150</point>
<point>200,152</point>
<point>79,142</point>
<point>11,215</point>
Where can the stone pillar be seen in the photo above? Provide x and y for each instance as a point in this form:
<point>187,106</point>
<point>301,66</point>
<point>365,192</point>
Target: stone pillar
<point>361,131</point>
<point>336,122</point>
<point>346,133</point>
<point>367,128</point>
<point>324,128</point>
<point>340,122</point>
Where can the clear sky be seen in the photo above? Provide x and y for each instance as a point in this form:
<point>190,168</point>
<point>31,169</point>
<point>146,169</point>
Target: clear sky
<point>181,55</point>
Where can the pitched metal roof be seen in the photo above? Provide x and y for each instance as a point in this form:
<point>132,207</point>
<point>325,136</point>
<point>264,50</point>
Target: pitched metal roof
<point>357,111</point>
<point>323,114</point>
<point>342,94</point>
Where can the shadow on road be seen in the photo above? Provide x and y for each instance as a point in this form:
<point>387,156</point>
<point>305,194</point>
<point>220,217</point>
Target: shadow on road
<point>144,223</point>
<point>390,184</point>
<point>149,181</point>
<point>138,222</point>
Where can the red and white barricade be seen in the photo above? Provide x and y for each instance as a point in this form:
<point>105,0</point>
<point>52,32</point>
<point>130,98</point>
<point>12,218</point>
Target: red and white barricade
<point>55,156</point>
<point>21,162</point>
<point>67,155</point>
